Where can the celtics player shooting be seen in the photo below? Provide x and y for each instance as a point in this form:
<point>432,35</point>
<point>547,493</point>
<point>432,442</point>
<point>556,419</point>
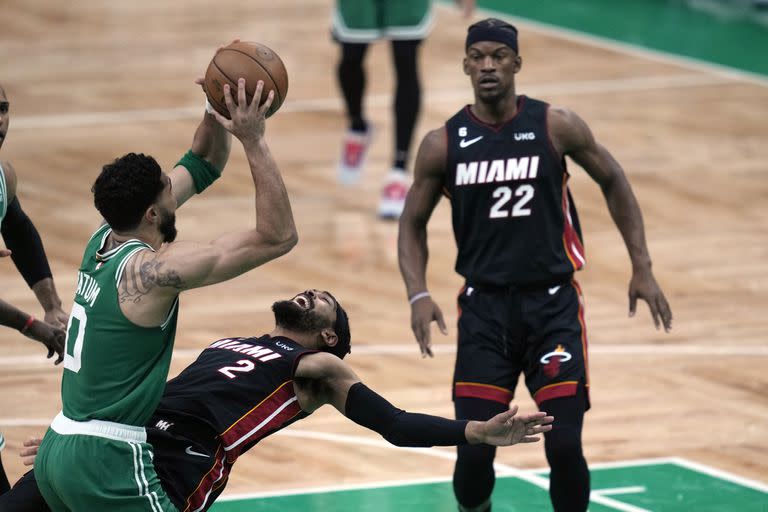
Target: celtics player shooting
<point>123,321</point>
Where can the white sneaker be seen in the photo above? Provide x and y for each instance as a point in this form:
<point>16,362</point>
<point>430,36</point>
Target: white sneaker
<point>393,194</point>
<point>353,152</point>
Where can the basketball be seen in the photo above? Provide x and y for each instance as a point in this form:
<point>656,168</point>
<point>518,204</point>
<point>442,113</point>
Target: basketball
<point>252,61</point>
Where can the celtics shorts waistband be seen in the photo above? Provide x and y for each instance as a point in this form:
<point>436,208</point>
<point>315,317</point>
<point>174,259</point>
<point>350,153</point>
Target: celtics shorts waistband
<point>98,428</point>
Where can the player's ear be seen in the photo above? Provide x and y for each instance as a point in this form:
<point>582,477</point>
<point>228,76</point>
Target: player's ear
<point>329,337</point>
<point>152,214</point>
<point>518,63</point>
<point>465,65</point>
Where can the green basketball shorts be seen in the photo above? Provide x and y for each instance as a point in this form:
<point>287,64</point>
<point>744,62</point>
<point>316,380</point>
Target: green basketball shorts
<point>364,21</point>
<point>98,465</point>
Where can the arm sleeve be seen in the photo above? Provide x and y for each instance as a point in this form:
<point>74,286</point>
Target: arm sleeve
<point>370,410</point>
<point>22,238</point>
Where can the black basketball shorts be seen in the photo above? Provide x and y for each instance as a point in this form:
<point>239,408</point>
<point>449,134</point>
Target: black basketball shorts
<point>505,331</point>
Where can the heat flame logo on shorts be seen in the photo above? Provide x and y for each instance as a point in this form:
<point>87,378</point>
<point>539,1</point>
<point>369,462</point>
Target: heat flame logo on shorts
<point>551,361</point>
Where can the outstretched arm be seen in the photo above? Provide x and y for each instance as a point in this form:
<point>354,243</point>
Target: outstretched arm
<point>412,249</point>
<point>343,389</point>
<point>572,137</point>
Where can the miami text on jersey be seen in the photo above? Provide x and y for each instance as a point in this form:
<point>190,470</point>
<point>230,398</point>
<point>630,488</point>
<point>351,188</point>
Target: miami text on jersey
<point>497,171</point>
<point>263,354</point>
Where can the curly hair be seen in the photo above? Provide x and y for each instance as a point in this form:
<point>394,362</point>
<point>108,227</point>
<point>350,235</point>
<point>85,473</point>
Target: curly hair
<point>126,188</point>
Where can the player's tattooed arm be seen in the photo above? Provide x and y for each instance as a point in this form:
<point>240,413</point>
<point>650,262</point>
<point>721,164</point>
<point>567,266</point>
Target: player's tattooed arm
<point>145,273</point>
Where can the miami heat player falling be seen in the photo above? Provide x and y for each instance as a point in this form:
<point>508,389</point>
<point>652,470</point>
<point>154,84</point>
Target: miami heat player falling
<point>241,390</point>
<point>501,163</point>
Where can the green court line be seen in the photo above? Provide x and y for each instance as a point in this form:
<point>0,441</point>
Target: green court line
<point>671,485</point>
<point>670,26</point>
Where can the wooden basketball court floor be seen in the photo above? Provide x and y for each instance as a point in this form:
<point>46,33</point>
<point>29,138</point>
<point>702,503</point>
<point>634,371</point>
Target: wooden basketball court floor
<point>91,80</point>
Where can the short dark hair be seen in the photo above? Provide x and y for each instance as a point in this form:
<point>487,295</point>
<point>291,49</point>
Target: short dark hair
<point>125,189</point>
<point>341,327</point>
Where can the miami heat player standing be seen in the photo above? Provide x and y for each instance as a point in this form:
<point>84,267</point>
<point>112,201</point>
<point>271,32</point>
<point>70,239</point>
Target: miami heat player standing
<point>501,163</point>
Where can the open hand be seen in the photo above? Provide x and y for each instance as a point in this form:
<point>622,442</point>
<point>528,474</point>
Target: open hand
<point>508,428</point>
<point>247,121</point>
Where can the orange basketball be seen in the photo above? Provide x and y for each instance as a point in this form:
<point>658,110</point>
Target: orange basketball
<point>252,61</point>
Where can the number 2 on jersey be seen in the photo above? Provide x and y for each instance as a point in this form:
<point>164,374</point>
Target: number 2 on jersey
<point>504,194</point>
<point>243,366</point>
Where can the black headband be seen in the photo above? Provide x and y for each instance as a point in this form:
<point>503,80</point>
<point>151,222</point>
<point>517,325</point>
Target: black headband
<point>341,327</point>
<point>485,31</point>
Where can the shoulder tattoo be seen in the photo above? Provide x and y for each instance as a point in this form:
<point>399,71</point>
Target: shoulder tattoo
<point>144,274</point>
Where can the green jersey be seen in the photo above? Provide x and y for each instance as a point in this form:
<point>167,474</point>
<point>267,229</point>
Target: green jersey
<point>3,195</point>
<point>114,370</point>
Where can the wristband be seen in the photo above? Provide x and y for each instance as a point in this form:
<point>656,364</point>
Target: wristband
<point>28,324</point>
<point>208,107</point>
<point>418,297</point>
<point>202,171</point>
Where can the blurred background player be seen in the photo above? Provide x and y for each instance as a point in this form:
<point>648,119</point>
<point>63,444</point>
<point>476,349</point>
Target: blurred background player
<point>206,418</point>
<point>501,162</point>
<point>356,24</point>
<point>24,246</point>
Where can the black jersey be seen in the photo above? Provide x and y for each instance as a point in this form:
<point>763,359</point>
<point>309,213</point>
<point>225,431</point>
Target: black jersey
<point>513,217</point>
<point>237,392</point>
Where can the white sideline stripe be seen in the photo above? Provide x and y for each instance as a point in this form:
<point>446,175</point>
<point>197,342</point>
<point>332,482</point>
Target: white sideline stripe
<point>396,348</point>
<point>629,49</point>
<point>620,490</point>
<point>380,100</point>
<point>722,475</point>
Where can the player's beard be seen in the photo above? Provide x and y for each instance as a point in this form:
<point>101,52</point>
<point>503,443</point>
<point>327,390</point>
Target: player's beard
<point>290,315</point>
<point>167,225</point>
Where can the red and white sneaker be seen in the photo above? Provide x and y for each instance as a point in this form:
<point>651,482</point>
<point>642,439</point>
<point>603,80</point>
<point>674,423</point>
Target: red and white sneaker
<point>353,152</point>
<point>393,194</point>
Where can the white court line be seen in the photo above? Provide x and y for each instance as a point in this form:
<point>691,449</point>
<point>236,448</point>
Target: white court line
<point>719,74</point>
<point>334,104</point>
<point>394,348</point>
<point>620,490</point>
<point>629,49</point>
<point>719,473</point>
<point>531,476</point>
<point>501,469</point>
